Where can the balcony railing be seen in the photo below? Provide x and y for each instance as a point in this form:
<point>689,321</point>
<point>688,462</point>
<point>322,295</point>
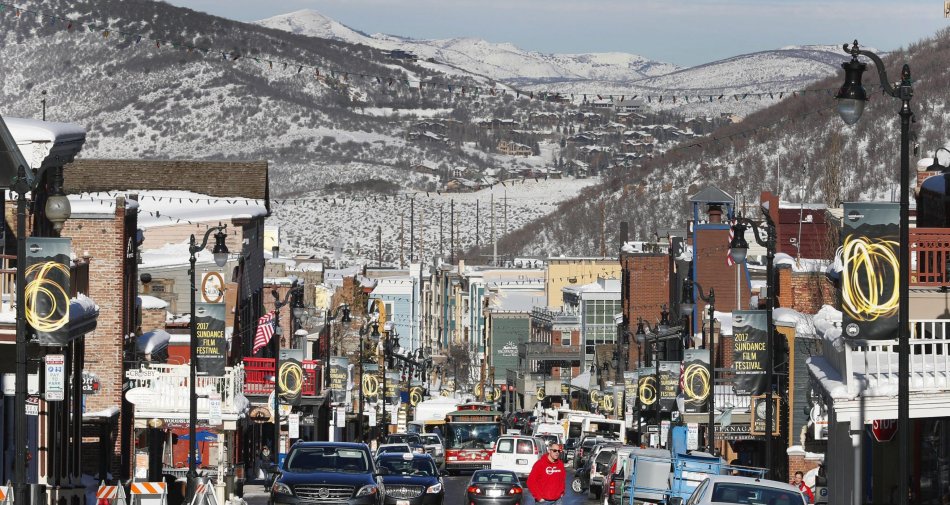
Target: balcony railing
<point>875,361</point>
<point>929,252</point>
<point>259,377</point>
<point>170,385</point>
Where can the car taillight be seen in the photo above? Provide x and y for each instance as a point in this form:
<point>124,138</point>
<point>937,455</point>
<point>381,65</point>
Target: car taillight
<point>516,490</point>
<point>612,487</point>
<point>474,489</point>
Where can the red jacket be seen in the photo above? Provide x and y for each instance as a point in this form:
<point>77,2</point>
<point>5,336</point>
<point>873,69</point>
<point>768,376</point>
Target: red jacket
<point>546,480</point>
<point>807,492</point>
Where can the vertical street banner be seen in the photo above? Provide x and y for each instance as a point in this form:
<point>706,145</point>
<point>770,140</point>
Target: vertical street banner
<point>370,384</point>
<point>618,390</point>
<point>669,382</point>
<point>290,379</point>
<point>870,270</point>
<point>47,289</point>
<point>750,341</point>
<point>211,347</point>
<point>393,387</point>
<point>647,390</point>
<point>697,380</point>
<point>630,384</point>
<point>338,377</point>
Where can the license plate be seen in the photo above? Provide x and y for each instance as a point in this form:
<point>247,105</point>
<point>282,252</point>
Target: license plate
<point>522,462</point>
<point>491,493</point>
<point>402,502</point>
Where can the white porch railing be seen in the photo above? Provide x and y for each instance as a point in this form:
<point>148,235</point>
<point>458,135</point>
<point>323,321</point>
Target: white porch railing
<point>170,386</point>
<point>876,363</point>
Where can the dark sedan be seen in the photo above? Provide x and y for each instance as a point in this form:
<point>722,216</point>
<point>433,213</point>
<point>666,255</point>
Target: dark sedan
<point>494,487</point>
<point>411,479</point>
<point>327,472</point>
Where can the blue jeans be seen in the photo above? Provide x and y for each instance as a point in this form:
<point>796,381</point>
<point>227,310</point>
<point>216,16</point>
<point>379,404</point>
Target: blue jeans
<point>546,502</point>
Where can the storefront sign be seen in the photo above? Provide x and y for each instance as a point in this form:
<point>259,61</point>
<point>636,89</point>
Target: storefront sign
<point>750,351</point>
<point>669,376</point>
<point>211,346</point>
<point>869,290</point>
<point>47,289</point>
<point>697,383</point>
<point>338,378</point>
<point>259,414</point>
<point>735,432</point>
<point>90,383</point>
<point>758,410</point>
<point>55,377</point>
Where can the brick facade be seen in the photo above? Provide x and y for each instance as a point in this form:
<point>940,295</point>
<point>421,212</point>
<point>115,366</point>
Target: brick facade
<point>646,279</point>
<point>805,292</point>
<point>712,271</point>
<point>800,461</point>
<point>153,319</point>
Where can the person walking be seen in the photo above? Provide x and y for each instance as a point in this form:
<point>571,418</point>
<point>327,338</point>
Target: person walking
<point>546,480</point>
<point>799,482</point>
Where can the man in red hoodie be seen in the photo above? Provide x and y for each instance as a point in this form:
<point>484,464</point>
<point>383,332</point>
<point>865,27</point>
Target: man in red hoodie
<point>547,477</point>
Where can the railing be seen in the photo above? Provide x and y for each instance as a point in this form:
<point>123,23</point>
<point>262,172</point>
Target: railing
<point>929,252</point>
<point>170,385</point>
<point>875,362</point>
<point>259,377</point>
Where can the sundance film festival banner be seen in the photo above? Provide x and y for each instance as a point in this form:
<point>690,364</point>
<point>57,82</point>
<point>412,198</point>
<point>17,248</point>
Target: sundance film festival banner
<point>47,289</point>
<point>211,347</point>
<point>370,383</point>
<point>339,374</point>
<point>750,351</point>
<point>630,388</point>
<point>669,378</point>
<point>697,379</point>
<point>647,391</point>
<point>869,278</point>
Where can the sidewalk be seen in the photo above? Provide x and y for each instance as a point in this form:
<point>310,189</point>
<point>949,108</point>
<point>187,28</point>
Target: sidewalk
<point>254,494</point>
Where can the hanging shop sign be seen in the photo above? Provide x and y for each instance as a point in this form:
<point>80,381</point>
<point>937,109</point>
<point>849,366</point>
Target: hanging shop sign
<point>259,414</point>
<point>669,375</point>
<point>211,346</point>
<point>697,380</point>
<point>871,268</point>
<point>758,409</point>
<point>647,390</point>
<point>750,351</point>
<point>338,377</point>
<point>212,287</point>
<point>47,289</point>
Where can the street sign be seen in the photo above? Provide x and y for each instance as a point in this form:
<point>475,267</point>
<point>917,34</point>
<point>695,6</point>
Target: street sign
<point>293,426</point>
<point>883,429</point>
<point>55,377</point>
<point>214,409</point>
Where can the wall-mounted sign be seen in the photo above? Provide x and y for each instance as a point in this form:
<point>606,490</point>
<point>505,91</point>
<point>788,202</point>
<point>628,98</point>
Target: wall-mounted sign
<point>259,414</point>
<point>55,378</point>
<point>212,287</point>
<point>750,351</point>
<point>759,413</point>
<point>211,346</point>
<point>47,289</point>
<point>90,383</point>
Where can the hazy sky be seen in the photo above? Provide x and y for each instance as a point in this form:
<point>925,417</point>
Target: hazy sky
<point>684,32</point>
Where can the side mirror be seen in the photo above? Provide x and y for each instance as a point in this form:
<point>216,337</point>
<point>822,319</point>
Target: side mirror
<point>382,471</point>
<point>676,500</point>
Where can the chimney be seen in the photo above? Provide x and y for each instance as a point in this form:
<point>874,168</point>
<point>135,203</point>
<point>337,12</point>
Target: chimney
<point>624,231</point>
<point>715,213</point>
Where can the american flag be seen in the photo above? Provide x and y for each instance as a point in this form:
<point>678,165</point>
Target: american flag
<point>729,261</point>
<point>265,330</point>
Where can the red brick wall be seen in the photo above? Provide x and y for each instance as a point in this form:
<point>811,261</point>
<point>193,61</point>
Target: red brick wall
<point>153,319</point>
<point>648,289</point>
<point>798,463</point>
<point>805,292</point>
<point>712,271</point>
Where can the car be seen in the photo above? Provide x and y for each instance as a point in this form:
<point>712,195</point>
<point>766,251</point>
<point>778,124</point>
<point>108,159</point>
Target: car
<point>517,453</point>
<point>516,419</point>
<point>570,447</point>
<point>397,448</point>
<point>614,487</point>
<point>435,447</point>
<point>600,466</point>
<point>327,472</point>
<point>584,449</point>
<point>738,490</point>
<point>411,479</point>
<point>494,487</point>
<point>413,439</point>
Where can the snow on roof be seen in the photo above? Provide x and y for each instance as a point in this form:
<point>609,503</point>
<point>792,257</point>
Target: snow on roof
<point>801,264</point>
<point>106,413</point>
<point>517,300</point>
<point>167,208</point>
<point>152,303</point>
<point>151,341</point>
<point>82,307</point>
<point>35,130</point>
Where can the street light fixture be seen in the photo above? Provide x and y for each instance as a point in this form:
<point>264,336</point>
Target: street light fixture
<point>739,249</point>
<point>292,296</point>
<point>220,253</point>
<point>851,98</point>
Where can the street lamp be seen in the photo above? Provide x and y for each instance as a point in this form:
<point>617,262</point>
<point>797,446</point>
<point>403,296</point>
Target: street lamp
<point>851,98</point>
<point>710,343</point>
<point>220,253</point>
<point>292,296</point>
<point>739,248</point>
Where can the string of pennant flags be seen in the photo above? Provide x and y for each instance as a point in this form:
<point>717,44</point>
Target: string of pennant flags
<point>660,96</point>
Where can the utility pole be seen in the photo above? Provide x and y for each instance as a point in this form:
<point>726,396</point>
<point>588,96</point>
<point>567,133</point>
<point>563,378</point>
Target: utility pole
<point>402,240</point>
<point>379,246</point>
<point>412,230</point>
<point>494,244</point>
<point>452,232</point>
<point>477,224</point>
<point>441,232</point>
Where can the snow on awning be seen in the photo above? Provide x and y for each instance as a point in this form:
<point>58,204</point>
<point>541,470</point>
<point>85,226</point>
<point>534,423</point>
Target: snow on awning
<point>152,341</point>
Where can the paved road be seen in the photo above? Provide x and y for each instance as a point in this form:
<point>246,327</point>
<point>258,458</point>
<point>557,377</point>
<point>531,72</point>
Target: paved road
<point>454,493</point>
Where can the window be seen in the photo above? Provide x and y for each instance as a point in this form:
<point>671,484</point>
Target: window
<point>566,339</point>
<point>525,447</point>
<point>505,446</point>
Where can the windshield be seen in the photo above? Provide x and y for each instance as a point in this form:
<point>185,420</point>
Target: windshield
<point>383,449</point>
<point>431,439</point>
<point>471,435</point>
<point>327,459</point>
<point>742,494</point>
<point>574,429</point>
<point>606,430</point>
<point>417,466</point>
<point>403,439</point>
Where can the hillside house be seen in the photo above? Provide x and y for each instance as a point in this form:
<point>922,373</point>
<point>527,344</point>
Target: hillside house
<point>498,124</point>
<point>544,119</point>
<point>631,146</point>
<point>427,137</point>
<point>399,54</point>
<point>462,185</point>
<point>513,148</point>
<point>425,167</point>
<point>433,126</point>
<point>629,106</point>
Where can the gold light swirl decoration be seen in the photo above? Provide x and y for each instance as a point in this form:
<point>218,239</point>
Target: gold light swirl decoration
<point>647,390</point>
<point>415,396</point>
<point>540,393</point>
<point>870,261</point>
<point>607,402</point>
<point>290,379</point>
<point>42,287</point>
<point>696,383</point>
<point>370,384</point>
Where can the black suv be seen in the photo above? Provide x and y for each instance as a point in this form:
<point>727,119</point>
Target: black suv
<point>411,479</point>
<point>328,473</point>
<point>412,439</point>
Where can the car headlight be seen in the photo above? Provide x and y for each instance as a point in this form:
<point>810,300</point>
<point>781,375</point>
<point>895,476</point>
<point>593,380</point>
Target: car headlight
<point>437,488</point>
<point>438,451</point>
<point>280,487</point>
<point>367,490</point>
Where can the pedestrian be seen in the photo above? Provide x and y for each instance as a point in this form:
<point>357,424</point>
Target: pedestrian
<point>546,480</point>
<point>800,483</point>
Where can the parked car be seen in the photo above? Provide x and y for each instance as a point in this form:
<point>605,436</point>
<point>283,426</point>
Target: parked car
<point>435,447</point>
<point>570,447</point>
<point>516,453</point>
<point>494,487</point>
<point>600,465</point>
<point>516,419</point>
<point>328,471</point>
<point>742,490</point>
<point>614,487</point>
<point>393,448</point>
<point>413,439</point>
<point>411,479</point>
<point>584,449</point>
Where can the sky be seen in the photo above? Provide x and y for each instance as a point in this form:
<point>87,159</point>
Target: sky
<point>684,32</point>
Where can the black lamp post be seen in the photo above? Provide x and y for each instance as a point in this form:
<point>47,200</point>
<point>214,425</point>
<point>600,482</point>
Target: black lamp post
<point>640,336</point>
<point>292,296</point>
<point>738,249</point>
<point>851,98</point>
<point>220,253</point>
<point>710,344</point>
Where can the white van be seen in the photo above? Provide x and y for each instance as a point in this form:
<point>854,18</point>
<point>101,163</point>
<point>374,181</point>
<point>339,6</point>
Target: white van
<point>516,453</point>
<point>550,429</point>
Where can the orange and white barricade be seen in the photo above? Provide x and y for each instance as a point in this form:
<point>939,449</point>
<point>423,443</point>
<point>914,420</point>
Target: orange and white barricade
<point>148,493</point>
<point>6,493</point>
<point>204,493</point>
<point>110,495</point>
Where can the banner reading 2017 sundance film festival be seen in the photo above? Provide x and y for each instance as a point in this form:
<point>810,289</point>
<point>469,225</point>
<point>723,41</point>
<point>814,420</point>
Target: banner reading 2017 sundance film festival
<point>211,347</point>
<point>697,379</point>
<point>339,366</point>
<point>871,268</point>
<point>750,351</point>
<point>669,384</point>
<point>47,289</point>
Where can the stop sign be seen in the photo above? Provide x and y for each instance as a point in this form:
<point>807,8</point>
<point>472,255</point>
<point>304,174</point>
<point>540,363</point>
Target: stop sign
<point>883,429</point>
